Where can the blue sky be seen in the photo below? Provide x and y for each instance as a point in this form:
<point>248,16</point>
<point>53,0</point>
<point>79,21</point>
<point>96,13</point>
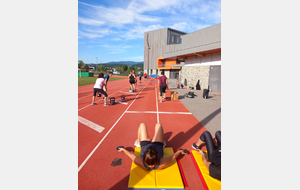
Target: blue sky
<point>114,30</point>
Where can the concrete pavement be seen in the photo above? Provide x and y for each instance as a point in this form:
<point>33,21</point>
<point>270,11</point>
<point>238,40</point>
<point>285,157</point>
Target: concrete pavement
<point>207,111</point>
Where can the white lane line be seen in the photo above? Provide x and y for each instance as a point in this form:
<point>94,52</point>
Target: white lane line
<point>156,104</point>
<point>129,93</point>
<point>121,102</point>
<point>160,112</point>
<point>100,99</point>
<point>87,158</point>
<point>90,124</point>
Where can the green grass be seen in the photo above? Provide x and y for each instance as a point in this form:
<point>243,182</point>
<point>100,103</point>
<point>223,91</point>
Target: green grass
<point>91,80</point>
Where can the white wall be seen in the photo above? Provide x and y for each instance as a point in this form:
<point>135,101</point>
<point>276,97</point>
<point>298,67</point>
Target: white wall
<point>209,59</point>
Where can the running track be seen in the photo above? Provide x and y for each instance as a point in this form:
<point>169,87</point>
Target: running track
<point>101,129</point>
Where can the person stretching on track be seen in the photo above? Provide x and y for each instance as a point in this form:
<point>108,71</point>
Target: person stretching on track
<point>98,87</point>
<point>213,159</point>
<point>131,78</point>
<point>151,150</point>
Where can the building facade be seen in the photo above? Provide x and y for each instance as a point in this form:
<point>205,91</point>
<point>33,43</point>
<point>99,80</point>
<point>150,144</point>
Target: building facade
<point>190,57</point>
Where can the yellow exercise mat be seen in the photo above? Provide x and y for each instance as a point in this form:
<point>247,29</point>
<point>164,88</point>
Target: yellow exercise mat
<point>212,183</point>
<point>140,178</point>
<point>167,178</point>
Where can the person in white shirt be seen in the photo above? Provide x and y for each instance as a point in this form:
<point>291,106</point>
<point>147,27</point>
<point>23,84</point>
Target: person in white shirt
<point>98,87</point>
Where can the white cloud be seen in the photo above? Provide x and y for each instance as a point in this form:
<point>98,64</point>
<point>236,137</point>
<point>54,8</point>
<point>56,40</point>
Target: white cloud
<point>130,21</point>
<point>91,22</point>
<point>188,27</point>
<point>138,31</point>
<point>88,35</point>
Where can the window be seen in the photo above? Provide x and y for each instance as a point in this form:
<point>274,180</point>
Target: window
<point>175,39</point>
<point>172,38</point>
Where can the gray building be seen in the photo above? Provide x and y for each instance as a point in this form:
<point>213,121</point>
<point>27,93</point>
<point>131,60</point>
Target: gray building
<point>190,57</point>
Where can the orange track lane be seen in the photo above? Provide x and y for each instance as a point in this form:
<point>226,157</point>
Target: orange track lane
<point>96,151</point>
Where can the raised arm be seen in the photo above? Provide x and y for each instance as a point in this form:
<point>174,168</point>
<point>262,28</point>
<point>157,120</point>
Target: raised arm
<point>165,162</point>
<point>137,160</point>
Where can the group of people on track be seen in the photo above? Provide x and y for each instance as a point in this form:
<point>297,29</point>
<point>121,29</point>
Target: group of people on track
<point>152,149</point>
<point>100,86</point>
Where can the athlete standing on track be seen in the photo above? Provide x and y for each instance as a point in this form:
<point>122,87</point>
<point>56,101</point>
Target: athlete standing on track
<point>140,75</point>
<point>135,78</point>
<point>163,85</point>
<point>106,78</point>
<point>131,79</point>
<point>98,87</point>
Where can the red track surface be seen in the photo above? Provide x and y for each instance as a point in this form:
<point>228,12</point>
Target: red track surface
<point>96,151</point>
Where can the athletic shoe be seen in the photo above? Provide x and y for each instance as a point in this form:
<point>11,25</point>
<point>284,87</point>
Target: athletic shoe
<point>136,143</point>
<point>106,104</point>
<point>165,144</point>
<point>195,146</point>
<point>160,101</point>
<point>93,103</point>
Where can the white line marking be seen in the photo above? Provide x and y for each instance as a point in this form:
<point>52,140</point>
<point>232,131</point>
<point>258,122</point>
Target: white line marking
<point>90,124</point>
<point>160,112</point>
<point>83,163</point>
<point>156,104</point>
<point>100,99</point>
<point>121,102</point>
<point>129,93</point>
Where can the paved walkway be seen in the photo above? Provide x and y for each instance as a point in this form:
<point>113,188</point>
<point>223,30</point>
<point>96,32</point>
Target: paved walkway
<point>207,111</point>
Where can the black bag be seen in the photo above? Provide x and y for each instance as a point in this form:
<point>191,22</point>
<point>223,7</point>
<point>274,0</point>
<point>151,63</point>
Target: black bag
<point>205,93</point>
<point>198,86</point>
<point>190,95</point>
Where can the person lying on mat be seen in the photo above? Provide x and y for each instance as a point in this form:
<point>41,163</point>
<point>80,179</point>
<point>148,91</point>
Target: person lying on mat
<point>151,150</point>
<point>213,159</point>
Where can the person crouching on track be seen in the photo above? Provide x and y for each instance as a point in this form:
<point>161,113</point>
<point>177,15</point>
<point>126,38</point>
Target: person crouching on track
<point>151,150</point>
<point>131,78</point>
<point>98,87</point>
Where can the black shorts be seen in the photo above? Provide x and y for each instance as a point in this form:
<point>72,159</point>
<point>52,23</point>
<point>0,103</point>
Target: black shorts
<point>99,90</point>
<point>140,78</point>
<point>144,143</point>
<point>162,89</point>
<point>132,82</point>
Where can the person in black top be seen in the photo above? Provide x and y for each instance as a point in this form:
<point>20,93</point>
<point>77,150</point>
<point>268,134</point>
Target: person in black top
<point>151,154</point>
<point>212,160</point>
<point>131,78</point>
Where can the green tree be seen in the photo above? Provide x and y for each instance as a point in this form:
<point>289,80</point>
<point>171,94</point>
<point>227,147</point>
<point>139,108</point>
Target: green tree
<point>80,64</point>
<point>86,68</point>
<point>102,68</point>
<point>118,69</point>
<point>124,68</point>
